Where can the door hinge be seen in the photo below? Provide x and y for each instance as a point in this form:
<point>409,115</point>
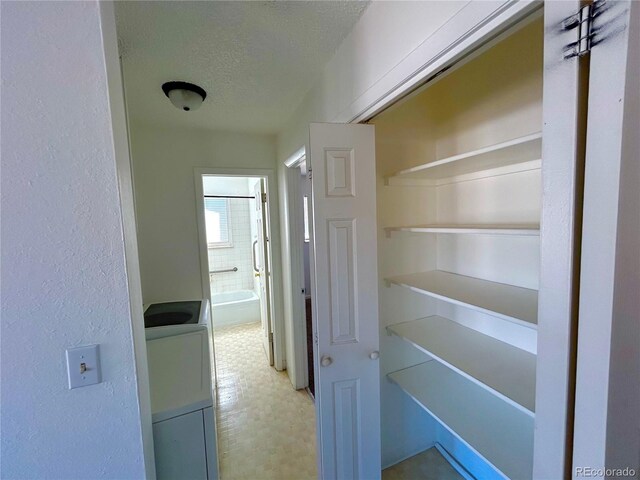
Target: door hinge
<point>583,22</point>
<point>315,338</point>
<point>270,337</point>
<point>309,174</point>
<point>264,198</point>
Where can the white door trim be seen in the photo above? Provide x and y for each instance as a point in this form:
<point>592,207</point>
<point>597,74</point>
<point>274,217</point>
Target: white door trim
<point>124,170</point>
<point>297,158</point>
<point>293,219</point>
<point>561,209</point>
<point>275,251</point>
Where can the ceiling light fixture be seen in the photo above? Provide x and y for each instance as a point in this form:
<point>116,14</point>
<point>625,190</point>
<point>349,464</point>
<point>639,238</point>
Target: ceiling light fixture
<point>184,96</point>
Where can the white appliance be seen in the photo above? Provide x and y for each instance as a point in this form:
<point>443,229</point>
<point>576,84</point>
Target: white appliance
<point>182,405</point>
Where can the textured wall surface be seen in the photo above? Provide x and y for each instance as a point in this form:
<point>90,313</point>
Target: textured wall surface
<point>63,267</point>
<point>164,161</point>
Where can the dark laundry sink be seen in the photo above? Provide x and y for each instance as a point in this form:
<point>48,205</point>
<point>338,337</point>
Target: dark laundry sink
<point>172,313</point>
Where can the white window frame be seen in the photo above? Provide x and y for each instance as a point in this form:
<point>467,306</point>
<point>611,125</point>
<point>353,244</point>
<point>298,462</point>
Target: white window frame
<point>229,242</point>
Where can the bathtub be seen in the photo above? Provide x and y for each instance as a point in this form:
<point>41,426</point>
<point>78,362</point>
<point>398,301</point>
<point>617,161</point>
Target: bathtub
<point>234,308</point>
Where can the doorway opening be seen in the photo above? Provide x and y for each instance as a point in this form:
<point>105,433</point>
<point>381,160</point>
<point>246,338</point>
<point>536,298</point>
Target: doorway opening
<point>239,254</point>
<point>299,210</point>
<point>255,404</point>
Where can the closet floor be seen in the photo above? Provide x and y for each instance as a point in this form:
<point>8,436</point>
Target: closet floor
<point>266,429</point>
<point>428,465</point>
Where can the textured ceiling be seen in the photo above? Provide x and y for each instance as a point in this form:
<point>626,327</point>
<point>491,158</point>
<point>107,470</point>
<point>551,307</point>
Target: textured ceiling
<point>256,60</point>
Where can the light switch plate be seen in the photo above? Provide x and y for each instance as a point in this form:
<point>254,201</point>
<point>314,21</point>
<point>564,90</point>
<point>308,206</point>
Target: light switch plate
<point>83,366</point>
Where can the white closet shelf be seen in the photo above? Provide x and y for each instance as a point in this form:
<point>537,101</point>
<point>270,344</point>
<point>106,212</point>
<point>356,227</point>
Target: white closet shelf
<point>500,433</point>
<point>506,371</point>
<point>519,154</point>
<point>515,304</point>
<point>524,229</point>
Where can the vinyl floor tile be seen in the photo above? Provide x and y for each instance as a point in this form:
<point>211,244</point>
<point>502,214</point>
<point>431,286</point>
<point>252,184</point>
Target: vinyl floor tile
<point>266,429</point>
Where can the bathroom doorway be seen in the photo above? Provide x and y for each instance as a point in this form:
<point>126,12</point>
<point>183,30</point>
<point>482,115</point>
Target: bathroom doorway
<point>237,232</point>
<point>255,404</point>
<point>299,217</point>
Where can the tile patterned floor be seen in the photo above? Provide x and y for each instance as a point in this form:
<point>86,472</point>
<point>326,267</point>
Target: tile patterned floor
<point>266,430</point>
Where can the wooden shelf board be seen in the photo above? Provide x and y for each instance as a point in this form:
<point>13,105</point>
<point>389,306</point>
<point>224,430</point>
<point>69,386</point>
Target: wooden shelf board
<point>485,229</point>
<point>498,432</point>
<point>515,304</point>
<point>516,151</point>
<point>506,371</point>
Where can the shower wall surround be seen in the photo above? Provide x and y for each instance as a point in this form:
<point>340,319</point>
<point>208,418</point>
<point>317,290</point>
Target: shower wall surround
<point>238,255</point>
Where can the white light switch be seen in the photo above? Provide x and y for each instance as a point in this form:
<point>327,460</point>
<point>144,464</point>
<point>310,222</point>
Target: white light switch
<point>83,366</point>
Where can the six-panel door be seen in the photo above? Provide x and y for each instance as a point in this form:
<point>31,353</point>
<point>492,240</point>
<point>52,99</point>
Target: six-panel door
<point>346,300</point>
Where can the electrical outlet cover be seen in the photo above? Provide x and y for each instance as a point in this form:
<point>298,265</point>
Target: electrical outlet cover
<point>83,366</point>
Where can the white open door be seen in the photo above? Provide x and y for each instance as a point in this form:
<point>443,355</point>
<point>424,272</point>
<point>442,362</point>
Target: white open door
<point>345,283</point>
<point>607,408</point>
<point>262,267</point>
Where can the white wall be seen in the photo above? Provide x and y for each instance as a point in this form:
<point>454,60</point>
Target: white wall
<point>163,162</point>
<point>63,259</point>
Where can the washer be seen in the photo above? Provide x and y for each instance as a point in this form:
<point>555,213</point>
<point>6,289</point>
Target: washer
<point>182,400</point>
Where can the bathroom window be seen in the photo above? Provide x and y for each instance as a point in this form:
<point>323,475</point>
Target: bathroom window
<point>216,212</point>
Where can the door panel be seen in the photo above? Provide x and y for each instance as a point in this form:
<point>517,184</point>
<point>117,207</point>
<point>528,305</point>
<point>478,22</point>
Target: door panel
<point>263,268</point>
<point>607,412</point>
<point>179,445</point>
<point>342,263</point>
<point>345,282</point>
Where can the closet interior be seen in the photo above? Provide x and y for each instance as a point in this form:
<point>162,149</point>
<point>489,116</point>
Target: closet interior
<point>459,195</point>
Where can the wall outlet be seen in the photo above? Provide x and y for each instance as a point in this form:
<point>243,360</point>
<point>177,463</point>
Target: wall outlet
<point>83,366</point>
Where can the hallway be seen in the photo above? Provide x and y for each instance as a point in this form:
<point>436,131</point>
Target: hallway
<point>266,429</point>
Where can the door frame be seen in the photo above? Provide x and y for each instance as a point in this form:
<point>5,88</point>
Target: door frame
<point>277,324</point>
<point>126,203</point>
<point>294,225</point>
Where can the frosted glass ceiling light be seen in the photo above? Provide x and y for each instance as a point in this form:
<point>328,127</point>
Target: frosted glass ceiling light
<point>184,96</point>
